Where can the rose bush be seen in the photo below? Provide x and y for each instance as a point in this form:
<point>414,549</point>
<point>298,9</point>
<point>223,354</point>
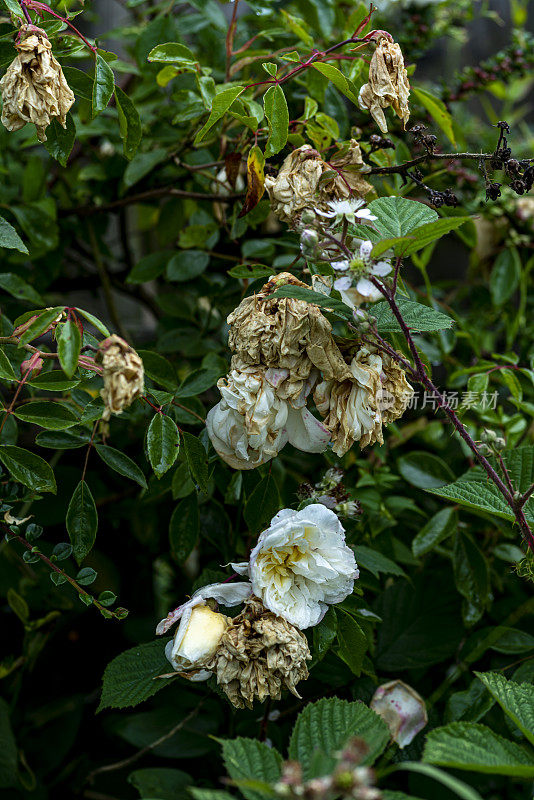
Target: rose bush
<point>266,376</point>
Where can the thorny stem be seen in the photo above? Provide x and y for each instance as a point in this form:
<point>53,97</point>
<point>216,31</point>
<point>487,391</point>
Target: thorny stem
<point>230,40</point>
<point>58,570</point>
<point>9,410</point>
<point>403,168</point>
<point>423,377</point>
<point>42,8</point>
<point>25,12</point>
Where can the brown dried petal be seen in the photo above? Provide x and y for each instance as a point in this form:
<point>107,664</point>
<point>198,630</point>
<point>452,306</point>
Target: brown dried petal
<point>388,84</point>
<point>34,88</point>
<point>123,375</point>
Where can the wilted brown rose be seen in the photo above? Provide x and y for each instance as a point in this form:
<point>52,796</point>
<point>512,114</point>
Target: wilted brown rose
<point>306,181</point>
<point>123,374</point>
<point>34,88</point>
<point>259,654</point>
<point>285,334</point>
<point>356,409</point>
<point>388,84</point>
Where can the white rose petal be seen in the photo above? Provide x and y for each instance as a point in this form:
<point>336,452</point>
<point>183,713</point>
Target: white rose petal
<point>301,565</point>
<point>196,641</point>
<point>402,709</point>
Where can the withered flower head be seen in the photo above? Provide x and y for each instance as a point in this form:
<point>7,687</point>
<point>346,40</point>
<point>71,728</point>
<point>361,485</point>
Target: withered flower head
<point>388,84</point>
<point>396,391</point>
<point>34,88</point>
<point>306,181</point>
<point>123,374</point>
<point>259,654</point>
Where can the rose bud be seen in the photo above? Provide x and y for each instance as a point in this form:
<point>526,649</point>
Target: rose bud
<point>196,641</point>
<point>402,709</point>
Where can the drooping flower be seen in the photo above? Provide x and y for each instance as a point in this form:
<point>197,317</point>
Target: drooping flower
<point>351,407</point>
<point>258,655</point>
<point>402,709</point>
<point>396,391</point>
<point>123,375</point>
<point>301,565</point>
<point>251,424</point>
<point>388,84</point>
<point>34,88</point>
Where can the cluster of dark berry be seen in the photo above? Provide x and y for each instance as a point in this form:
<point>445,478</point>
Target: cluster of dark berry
<point>512,62</point>
<point>379,143</point>
<point>519,173</point>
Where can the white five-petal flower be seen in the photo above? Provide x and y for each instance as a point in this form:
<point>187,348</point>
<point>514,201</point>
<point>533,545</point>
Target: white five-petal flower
<point>353,210</point>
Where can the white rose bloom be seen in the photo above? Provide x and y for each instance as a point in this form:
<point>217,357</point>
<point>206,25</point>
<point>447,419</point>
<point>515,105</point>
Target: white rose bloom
<point>201,629</point>
<point>301,565</point>
<point>251,424</point>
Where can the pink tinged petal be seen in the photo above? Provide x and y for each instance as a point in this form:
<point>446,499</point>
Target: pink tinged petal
<point>276,376</point>
<point>229,594</point>
<point>241,568</point>
<point>402,709</point>
<point>365,248</point>
<point>305,432</point>
<point>174,616</point>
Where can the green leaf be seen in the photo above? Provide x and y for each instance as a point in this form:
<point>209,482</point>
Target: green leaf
<point>515,699</point>
<point>184,528</point>
<point>161,782</point>
<point>60,140</point>
<point>424,470</point>
<point>80,82</point>
<point>437,110</point>
<point>416,316</point>
<point>324,634</point>
<point>47,414</point>
<point>62,440</point>
<point>149,267</point>
<point>376,562</point>
<point>16,287</point>
<point>142,164</point>
<point>6,370</point>
<point>40,324</point>
<point>461,789</point>
<point>197,459</point>
<point>187,265</point>
<point>121,463</point>
<point>505,276</point>
<point>159,369</point>
<point>339,80</point>
<point>277,115</point>
<point>8,751</point>
<point>53,381</point>
<point>86,576</point>
<point>129,678</point>
<point>14,8</point>
<point>398,216</point>
<point>28,468</point>
<point>336,307</point>
<point>129,123</point>
<point>352,641</point>
<point>94,321</point>
<point>326,726</point>
<point>103,86</point>
<point>429,232</point>
<point>248,759</point>
<point>262,504</point>
<point>471,571</point>
<point>513,642</point>
<point>221,103</point>
<point>250,271</point>
<point>82,521</point>
<point>210,794</point>
<point>475,490</point>
<point>68,347</point>
<point>9,237</point>
<point>436,530</point>
<point>170,53</point>
<point>197,382</point>
<point>469,745</point>
<point>163,443</point>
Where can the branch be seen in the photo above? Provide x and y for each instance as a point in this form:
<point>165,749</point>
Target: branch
<point>151,194</point>
<point>403,168</point>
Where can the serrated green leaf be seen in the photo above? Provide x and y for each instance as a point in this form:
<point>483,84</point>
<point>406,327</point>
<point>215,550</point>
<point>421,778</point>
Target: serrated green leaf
<point>163,442</point>
<point>475,747</point>
<point>68,347</point>
<point>277,115</point>
<point>397,216</point>
<point>94,321</point>
<point>9,237</point>
<point>326,726</point>
<point>184,528</point>
<point>505,276</point>
<point>40,324</point>
<point>53,381</point>
<point>28,468</point>
<point>82,521</point>
<point>436,530</point>
<point>339,80</point>
<point>376,562</point>
<point>416,316</point>
<point>197,459</point>
<point>60,140</point>
<point>324,634</point>
<point>336,307</point>
<point>6,370</point>
<point>352,641</point>
<point>430,232</point>
<point>121,463</point>
<point>170,53</point>
<point>247,759</point>
<point>129,678</point>
<point>515,699</point>
<point>15,286</point>
<point>197,382</point>
<point>424,470</point>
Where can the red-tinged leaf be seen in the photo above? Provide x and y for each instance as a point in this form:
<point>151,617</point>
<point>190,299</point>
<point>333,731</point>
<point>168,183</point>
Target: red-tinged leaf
<point>255,180</point>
